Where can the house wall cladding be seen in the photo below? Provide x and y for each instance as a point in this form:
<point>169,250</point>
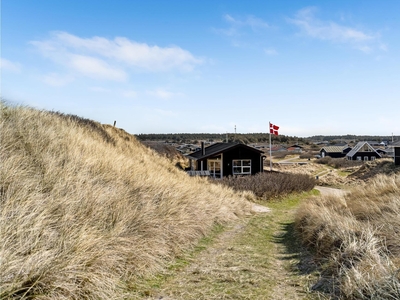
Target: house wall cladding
<point>241,153</point>
<point>365,154</point>
<point>397,156</point>
<point>333,154</point>
<point>236,153</point>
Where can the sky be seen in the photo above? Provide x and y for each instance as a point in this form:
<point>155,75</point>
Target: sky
<point>310,67</point>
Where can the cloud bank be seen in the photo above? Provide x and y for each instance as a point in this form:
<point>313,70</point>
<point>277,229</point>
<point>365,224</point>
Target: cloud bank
<point>112,59</point>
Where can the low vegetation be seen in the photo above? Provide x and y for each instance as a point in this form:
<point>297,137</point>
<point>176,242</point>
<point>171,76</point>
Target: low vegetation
<point>269,185</point>
<point>338,163</point>
<point>86,209</point>
<point>355,237</point>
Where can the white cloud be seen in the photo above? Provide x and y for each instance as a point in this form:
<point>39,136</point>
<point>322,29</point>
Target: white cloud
<point>163,94</point>
<point>57,80</point>
<point>111,56</point>
<point>238,26</point>
<point>8,65</point>
<point>250,21</point>
<point>95,68</point>
<point>330,31</point>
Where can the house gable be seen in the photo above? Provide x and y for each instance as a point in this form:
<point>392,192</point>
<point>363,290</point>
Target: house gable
<point>363,151</point>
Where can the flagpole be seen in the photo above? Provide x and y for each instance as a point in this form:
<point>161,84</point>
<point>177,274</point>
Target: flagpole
<point>270,149</point>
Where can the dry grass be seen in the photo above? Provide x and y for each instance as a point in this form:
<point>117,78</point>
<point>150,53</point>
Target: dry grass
<point>86,208</point>
<point>357,237</point>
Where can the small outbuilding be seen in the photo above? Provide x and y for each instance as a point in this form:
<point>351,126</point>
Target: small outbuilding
<point>363,151</point>
<point>227,159</point>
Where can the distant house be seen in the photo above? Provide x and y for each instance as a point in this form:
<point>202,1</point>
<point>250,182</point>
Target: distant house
<point>390,148</point>
<point>334,151</point>
<point>295,148</point>
<point>227,159</point>
<point>375,143</point>
<point>278,148</point>
<point>363,151</point>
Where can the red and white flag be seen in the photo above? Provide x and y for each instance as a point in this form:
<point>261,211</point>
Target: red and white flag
<point>273,129</point>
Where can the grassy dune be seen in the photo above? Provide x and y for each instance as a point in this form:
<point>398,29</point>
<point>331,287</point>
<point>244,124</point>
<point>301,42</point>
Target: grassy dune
<point>86,208</point>
<point>357,238</point>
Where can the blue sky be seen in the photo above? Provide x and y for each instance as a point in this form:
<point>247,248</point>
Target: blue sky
<point>311,67</point>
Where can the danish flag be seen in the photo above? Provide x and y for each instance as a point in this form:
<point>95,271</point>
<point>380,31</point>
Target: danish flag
<point>273,129</point>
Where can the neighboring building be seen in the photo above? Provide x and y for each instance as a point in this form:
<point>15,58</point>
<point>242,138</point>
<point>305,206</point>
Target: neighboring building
<point>278,148</point>
<point>390,148</point>
<point>397,155</point>
<point>363,151</point>
<point>335,151</point>
<point>227,159</point>
<point>295,148</point>
<point>375,143</point>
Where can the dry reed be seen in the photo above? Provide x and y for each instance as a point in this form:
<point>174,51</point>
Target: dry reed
<point>86,208</point>
<point>357,236</point>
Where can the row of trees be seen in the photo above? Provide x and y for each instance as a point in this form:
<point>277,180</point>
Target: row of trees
<point>245,138</point>
<point>351,137</point>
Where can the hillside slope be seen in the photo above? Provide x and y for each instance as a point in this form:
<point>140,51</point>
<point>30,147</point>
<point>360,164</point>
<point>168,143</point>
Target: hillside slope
<point>86,208</point>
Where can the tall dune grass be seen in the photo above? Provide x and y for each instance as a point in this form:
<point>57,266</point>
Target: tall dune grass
<point>357,236</point>
<point>86,208</point>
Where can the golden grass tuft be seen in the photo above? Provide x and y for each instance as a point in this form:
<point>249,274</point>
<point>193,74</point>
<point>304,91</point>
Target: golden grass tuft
<point>86,208</point>
<point>357,234</point>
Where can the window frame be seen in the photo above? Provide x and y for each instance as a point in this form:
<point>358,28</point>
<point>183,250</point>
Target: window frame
<point>241,166</point>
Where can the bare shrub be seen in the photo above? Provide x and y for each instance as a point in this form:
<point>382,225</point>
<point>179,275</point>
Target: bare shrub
<point>307,155</point>
<point>280,154</point>
<point>324,160</point>
<point>339,163</point>
<point>269,185</point>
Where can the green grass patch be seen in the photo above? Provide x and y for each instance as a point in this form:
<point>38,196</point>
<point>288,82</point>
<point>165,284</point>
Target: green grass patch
<point>254,258</point>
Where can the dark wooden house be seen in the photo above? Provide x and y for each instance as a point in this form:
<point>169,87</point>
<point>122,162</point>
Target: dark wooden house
<point>363,151</point>
<point>397,155</point>
<point>334,151</point>
<point>227,159</point>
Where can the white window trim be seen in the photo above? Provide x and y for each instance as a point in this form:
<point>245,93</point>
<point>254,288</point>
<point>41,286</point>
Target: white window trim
<point>212,171</point>
<point>241,167</point>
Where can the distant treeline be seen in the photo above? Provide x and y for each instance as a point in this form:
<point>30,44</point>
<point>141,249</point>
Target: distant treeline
<point>246,138</point>
<point>354,138</point>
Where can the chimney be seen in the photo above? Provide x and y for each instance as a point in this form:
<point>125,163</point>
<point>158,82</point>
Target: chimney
<point>203,149</point>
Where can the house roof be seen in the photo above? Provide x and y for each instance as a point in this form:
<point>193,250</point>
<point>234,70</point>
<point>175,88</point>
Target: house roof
<point>335,148</point>
<point>217,148</point>
<point>395,144</point>
<point>359,146</point>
